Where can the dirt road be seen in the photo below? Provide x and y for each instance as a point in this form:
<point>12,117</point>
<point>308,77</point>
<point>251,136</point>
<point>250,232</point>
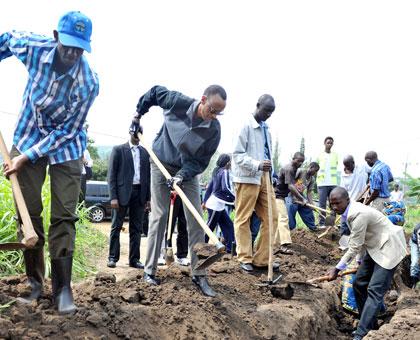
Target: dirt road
<point>122,268</point>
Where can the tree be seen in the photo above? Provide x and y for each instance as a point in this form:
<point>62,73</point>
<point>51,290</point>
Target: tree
<point>100,166</point>
<point>93,151</point>
<point>276,156</point>
<point>206,175</point>
<point>302,145</point>
<point>413,185</point>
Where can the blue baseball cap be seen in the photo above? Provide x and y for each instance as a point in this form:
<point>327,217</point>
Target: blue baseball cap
<point>74,30</point>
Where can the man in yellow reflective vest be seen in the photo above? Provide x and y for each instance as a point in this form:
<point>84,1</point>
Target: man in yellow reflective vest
<point>327,178</point>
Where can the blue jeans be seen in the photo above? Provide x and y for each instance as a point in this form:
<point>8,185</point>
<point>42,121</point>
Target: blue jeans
<point>324,192</point>
<point>415,255</point>
<point>306,214</point>
<point>222,219</point>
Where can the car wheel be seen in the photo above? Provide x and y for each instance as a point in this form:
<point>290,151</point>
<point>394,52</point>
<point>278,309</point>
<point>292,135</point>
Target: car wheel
<point>97,214</point>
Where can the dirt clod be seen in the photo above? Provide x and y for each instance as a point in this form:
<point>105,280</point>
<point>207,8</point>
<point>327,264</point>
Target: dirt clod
<point>204,250</point>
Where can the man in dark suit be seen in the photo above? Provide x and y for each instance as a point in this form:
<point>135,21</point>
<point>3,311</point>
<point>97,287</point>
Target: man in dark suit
<point>129,186</point>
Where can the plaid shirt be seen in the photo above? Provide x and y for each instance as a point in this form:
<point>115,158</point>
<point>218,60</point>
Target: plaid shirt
<point>54,106</point>
<point>379,179</point>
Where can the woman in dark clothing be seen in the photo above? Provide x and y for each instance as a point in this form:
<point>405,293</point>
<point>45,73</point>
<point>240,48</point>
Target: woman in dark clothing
<point>218,194</point>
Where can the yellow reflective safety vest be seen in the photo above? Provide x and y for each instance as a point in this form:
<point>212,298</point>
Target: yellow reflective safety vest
<point>333,168</point>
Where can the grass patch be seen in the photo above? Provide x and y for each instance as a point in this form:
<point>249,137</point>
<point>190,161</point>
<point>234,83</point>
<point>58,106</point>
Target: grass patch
<point>412,217</point>
<point>89,241</point>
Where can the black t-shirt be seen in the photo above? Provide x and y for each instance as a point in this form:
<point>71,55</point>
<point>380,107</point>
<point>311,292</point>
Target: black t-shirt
<point>287,176</point>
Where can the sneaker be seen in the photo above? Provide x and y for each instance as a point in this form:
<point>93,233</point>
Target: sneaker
<point>161,261</point>
<point>151,279</point>
<point>111,264</point>
<point>183,261</point>
<point>321,227</point>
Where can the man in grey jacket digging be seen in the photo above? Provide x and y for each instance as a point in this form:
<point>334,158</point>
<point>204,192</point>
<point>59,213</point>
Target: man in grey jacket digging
<point>185,144</point>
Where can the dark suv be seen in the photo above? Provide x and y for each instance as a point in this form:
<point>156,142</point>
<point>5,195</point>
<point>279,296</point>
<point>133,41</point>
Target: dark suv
<point>97,199</point>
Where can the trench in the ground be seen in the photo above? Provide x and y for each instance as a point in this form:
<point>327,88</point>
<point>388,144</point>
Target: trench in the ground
<point>176,310</point>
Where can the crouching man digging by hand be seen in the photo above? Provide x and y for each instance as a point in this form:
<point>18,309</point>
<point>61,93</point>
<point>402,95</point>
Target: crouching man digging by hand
<point>383,245</point>
<point>185,144</point>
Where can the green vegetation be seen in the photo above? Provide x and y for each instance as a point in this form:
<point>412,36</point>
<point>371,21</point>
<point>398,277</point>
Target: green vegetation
<point>412,200</point>
<point>100,161</point>
<point>89,241</point>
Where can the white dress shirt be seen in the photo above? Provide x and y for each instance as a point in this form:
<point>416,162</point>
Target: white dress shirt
<point>135,151</point>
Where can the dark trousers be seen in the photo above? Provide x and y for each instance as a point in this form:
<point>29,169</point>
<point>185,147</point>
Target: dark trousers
<point>136,213</point>
<point>324,193</point>
<point>178,217</point>
<point>371,283</point>
<point>65,188</point>
<point>145,224</point>
<point>254,225</point>
<point>306,214</point>
<point>222,219</point>
<point>82,188</point>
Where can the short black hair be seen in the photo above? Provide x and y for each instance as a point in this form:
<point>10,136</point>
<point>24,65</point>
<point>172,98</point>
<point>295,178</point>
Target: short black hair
<point>328,137</point>
<point>340,192</point>
<point>298,154</point>
<point>314,165</point>
<point>214,90</point>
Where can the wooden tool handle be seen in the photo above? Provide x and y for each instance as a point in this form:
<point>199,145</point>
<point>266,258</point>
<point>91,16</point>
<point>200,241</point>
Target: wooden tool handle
<point>171,214</point>
<point>270,227</point>
<point>318,208</point>
<point>326,277</point>
<point>30,238</point>
<point>184,197</point>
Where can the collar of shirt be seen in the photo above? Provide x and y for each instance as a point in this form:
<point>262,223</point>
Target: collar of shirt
<point>49,59</point>
<point>132,145</point>
<point>346,212</point>
<point>377,163</point>
<point>192,112</point>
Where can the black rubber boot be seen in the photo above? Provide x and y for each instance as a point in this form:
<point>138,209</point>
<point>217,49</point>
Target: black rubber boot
<point>202,283</point>
<point>60,280</point>
<point>35,270</point>
<point>414,280</point>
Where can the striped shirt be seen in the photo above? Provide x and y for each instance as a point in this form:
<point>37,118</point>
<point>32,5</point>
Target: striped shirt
<point>54,106</point>
<point>379,179</point>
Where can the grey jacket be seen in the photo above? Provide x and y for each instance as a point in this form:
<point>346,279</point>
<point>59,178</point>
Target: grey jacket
<point>372,231</point>
<point>248,152</point>
<point>185,144</point>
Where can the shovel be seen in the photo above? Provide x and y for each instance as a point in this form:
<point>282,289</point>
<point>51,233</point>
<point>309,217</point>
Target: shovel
<point>169,253</point>
<point>270,281</point>
<point>325,278</point>
<point>30,238</point>
<point>330,221</point>
<point>220,248</point>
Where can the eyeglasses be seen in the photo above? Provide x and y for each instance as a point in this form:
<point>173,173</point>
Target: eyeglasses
<point>214,110</point>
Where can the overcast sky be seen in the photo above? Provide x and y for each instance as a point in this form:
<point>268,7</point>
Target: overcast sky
<point>349,69</point>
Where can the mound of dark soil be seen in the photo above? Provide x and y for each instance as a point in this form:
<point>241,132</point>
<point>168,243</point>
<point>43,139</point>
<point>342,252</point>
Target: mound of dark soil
<point>131,309</point>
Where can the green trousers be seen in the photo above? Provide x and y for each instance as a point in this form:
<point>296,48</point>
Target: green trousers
<point>65,188</point>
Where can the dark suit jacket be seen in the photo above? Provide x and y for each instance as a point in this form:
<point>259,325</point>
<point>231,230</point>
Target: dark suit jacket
<point>121,173</point>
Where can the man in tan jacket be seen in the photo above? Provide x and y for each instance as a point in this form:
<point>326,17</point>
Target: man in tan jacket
<point>384,247</point>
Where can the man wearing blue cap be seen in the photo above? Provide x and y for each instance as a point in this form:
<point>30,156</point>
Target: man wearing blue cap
<point>49,133</point>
